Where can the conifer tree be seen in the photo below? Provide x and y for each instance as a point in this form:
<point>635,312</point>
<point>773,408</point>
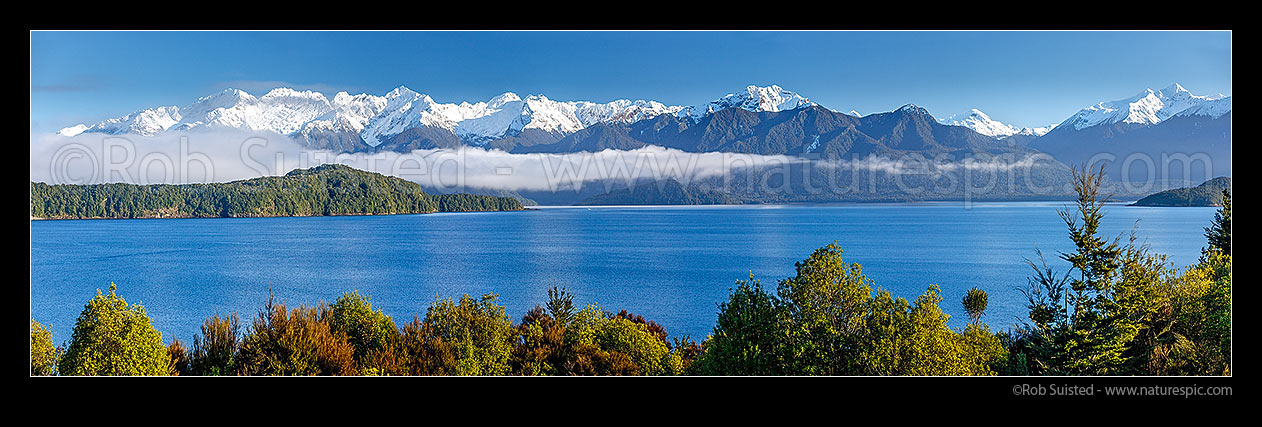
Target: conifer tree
<point>1219,231</point>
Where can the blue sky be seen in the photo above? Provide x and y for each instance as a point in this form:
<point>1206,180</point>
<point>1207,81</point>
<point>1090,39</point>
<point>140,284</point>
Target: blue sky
<point>1022,78</point>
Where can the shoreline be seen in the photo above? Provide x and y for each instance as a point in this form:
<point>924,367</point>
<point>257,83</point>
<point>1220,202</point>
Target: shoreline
<point>35,218</point>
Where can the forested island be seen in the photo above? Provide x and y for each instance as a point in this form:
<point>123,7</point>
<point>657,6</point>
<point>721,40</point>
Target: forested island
<point>1209,193</point>
<point>325,190</point>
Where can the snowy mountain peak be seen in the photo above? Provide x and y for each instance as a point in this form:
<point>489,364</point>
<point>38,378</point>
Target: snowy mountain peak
<point>754,98</point>
<point>981,123</point>
<point>402,92</point>
<point>773,98</point>
<point>913,109</point>
<point>503,99</point>
<point>1174,89</point>
<point>1038,131</point>
<point>147,122</point>
<point>73,130</point>
<point>291,94</point>
<point>222,99</point>
<point>228,95</point>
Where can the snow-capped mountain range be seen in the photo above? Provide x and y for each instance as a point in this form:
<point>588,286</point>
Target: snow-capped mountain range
<point>292,112</point>
<point>1147,107</point>
<point>1150,128</point>
<point>981,123</point>
<point>370,122</point>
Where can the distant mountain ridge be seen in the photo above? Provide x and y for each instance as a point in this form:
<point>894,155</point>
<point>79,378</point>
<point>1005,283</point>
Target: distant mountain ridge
<point>811,131</point>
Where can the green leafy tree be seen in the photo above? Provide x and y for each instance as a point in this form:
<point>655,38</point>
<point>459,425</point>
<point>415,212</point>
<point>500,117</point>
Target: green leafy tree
<point>603,344</point>
<point>114,338</point>
<point>904,338</point>
<point>1205,307</point>
<point>644,347</point>
<point>479,332</point>
<point>44,354</point>
<point>984,352</point>
<point>1188,331</point>
<point>827,301</point>
<point>826,321</point>
<point>372,333</point>
<point>593,342</point>
<point>750,337</point>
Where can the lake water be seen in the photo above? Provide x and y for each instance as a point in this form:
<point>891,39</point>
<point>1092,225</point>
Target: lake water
<point>672,264</point>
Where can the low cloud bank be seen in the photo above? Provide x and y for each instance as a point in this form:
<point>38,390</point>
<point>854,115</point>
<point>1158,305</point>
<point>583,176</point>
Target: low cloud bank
<point>228,155</point>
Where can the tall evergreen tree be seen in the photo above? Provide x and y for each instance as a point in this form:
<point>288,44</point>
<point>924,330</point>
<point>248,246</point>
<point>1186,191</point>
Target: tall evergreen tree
<point>1219,231</point>
<point>1086,328</point>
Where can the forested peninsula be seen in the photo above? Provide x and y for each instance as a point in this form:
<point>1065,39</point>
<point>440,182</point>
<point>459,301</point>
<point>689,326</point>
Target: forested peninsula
<point>326,190</point>
<point>1209,193</point>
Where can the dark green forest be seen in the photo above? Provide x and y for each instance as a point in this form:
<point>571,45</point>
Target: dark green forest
<point>1119,310</point>
<point>665,192</point>
<point>1209,193</point>
<point>320,191</point>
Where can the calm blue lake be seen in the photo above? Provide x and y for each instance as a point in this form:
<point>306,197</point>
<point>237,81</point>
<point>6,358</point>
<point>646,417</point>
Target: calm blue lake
<point>670,264</point>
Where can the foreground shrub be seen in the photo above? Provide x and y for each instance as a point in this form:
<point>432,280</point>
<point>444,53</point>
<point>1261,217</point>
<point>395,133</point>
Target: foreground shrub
<point>215,350</point>
<point>641,345</point>
<point>114,338</point>
<point>750,337</point>
<point>541,349</point>
<point>179,358</point>
<point>560,341</point>
<point>43,353</point>
<point>606,343</point>
<point>423,351</point>
<point>477,332</point>
<point>294,342</point>
<point>371,333</point>
<point>1188,329</point>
